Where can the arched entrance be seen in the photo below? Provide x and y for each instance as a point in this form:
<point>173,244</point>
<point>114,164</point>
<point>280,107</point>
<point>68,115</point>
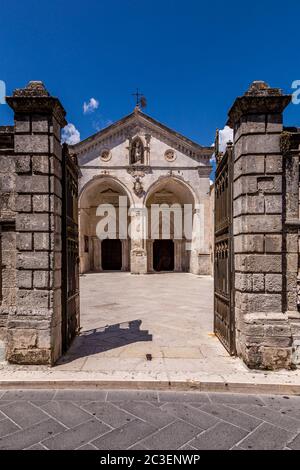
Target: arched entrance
<point>100,198</point>
<point>111,255</point>
<point>171,244</point>
<point>163,255</point>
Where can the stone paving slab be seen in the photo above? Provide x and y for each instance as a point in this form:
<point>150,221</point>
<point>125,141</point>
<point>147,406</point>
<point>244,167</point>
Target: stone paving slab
<point>266,437</point>
<point>147,420</point>
<point>222,436</point>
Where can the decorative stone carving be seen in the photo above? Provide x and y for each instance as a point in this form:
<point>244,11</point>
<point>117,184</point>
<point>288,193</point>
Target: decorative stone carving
<point>170,155</point>
<point>141,171</point>
<point>138,187</point>
<point>105,155</point>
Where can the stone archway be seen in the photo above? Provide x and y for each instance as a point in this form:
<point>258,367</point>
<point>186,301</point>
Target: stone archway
<point>171,205</point>
<point>109,193</point>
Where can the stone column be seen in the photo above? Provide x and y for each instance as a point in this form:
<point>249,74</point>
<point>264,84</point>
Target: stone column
<point>34,331</point>
<point>263,334</point>
<point>97,254</point>
<point>125,255</point>
<point>138,231</point>
<point>150,255</point>
<point>177,255</point>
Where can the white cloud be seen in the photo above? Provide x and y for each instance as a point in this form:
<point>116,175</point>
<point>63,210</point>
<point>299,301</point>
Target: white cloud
<point>225,135</point>
<point>90,106</point>
<point>70,135</point>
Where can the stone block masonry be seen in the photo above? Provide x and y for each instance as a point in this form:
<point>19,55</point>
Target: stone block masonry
<point>7,232</point>
<point>265,195</point>
<point>34,326</point>
<point>33,236</point>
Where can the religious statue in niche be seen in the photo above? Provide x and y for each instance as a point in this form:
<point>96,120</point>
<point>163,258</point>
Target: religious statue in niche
<point>137,152</point>
<point>138,187</point>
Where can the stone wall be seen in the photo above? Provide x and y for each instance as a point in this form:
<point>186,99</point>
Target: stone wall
<point>34,327</point>
<point>7,233</point>
<point>265,249</point>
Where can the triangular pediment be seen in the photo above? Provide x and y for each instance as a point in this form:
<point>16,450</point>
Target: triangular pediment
<point>140,124</point>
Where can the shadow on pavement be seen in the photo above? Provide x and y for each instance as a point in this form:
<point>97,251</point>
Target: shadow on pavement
<point>103,339</point>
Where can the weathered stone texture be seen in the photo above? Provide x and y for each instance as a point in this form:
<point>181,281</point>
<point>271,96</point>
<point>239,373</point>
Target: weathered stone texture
<point>273,164</point>
<point>258,263</point>
<point>249,243</point>
<point>42,241</point>
<point>23,203</point>
<point>24,241</point>
<point>41,203</point>
<point>273,282</point>
<point>34,222</point>
<point>24,279</point>
<point>32,260</point>
<point>38,155</point>
<point>31,143</point>
<point>32,184</point>
<point>40,164</point>
<point>41,279</point>
<point>258,230</point>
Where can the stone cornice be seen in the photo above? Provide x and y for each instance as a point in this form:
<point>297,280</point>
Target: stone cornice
<point>35,98</point>
<point>260,98</point>
<point>256,105</point>
<point>43,104</point>
<point>202,170</point>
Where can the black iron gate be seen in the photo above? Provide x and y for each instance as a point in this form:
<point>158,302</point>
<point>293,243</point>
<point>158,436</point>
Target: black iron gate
<point>70,249</point>
<point>223,254</point>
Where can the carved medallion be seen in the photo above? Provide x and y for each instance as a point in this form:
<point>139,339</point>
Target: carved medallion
<point>105,155</point>
<point>170,155</point>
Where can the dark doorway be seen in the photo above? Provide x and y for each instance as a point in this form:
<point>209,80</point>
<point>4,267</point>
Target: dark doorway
<point>111,254</point>
<point>163,255</point>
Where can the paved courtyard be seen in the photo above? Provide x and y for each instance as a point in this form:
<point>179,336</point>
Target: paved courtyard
<point>158,325</point>
<point>99,419</point>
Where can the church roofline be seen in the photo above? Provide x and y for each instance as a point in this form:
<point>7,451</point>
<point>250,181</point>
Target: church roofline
<point>89,141</point>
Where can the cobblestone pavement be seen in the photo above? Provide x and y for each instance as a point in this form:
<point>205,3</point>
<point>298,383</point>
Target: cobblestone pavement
<point>119,419</point>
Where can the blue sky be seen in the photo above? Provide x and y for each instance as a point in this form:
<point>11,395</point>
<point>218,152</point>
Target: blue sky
<point>190,58</point>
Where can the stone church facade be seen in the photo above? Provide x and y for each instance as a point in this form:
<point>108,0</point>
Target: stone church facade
<point>146,163</point>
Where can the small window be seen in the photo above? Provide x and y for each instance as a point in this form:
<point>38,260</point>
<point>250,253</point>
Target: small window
<point>86,244</point>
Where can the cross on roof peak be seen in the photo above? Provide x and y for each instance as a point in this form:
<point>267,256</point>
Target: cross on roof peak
<point>140,99</point>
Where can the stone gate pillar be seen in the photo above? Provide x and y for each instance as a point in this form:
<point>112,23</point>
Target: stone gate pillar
<point>263,332</point>
<point>34,330</point>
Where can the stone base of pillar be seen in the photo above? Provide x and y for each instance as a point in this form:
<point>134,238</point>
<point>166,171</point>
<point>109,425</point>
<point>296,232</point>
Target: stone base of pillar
<point>138,262</point>
<point>264,341</point>
<point>33,345</point>
<point>294,320</point>
<point>200,264</point>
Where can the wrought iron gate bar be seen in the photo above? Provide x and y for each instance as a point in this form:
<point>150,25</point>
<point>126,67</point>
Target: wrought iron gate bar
<point>223,253</point>
<point>70,249</point>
